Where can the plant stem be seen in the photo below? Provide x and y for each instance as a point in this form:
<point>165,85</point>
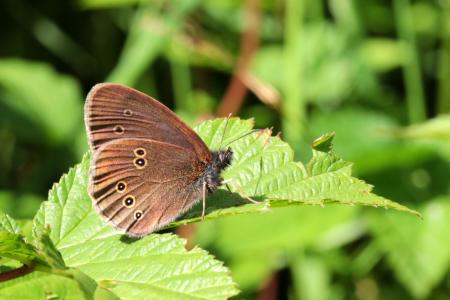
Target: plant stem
<point>148,35</point>
<point>347,14</point>
<point>317,10</point>
<point>411,71</point>
<point>236,90</point>
<point>443,105</point>
<point>19,272</point>
<point>293,106</point>
<point>181,82</point>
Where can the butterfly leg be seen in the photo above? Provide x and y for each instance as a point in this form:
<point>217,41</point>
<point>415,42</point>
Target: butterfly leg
<point>243,194</point>
<point>225,182</point>
<point>239,187</point>
<point>204,200</point>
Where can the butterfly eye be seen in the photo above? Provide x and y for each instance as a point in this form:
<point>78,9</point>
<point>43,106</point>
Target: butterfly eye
<point>119,129</point>
<point>129,201</point>
<point>137,214</point>
<point>140,152</point>
<point>121,186</point>
<point>127,113</point>
<point>140,163</point>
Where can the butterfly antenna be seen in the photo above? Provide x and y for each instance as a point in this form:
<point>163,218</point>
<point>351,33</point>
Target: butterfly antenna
<point>224,130</point>
<point>244,135</point>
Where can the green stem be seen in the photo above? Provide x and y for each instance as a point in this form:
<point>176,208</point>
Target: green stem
<point>347,13</point>
<point>293,106</point>
<point>181,82</point>
<point>411,71</point>
<point>317,9</point>
<point>444,62</point>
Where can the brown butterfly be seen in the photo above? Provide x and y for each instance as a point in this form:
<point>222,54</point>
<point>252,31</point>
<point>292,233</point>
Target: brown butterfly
<point>148,166</point>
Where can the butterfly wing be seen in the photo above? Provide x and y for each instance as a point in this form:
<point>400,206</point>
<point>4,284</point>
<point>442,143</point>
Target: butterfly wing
<point>114,111</point>
<point>140,185</point>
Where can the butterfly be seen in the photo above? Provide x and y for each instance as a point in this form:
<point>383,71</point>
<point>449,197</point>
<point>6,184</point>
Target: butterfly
<point>148,167</point>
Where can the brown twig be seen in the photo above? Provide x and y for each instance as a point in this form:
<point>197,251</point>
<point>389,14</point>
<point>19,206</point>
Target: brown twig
<point>19,272</point>
<point>269,290</point>
<point>236,90</point>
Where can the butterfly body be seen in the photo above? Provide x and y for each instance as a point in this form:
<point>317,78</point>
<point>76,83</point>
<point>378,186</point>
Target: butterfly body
<point>220,160</point>
<point>148,167</point>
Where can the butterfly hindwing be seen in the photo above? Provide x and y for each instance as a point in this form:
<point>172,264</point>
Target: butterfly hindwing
<point>140,185</point>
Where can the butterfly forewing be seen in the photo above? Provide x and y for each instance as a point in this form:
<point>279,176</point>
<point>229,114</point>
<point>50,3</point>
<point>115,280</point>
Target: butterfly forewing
<point>113,112</point>
<point>141,185</point>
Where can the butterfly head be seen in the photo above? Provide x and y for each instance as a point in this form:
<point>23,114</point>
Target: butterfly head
<point>220,160</point>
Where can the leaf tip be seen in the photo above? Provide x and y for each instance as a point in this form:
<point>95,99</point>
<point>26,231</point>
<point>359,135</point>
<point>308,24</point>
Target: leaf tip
<point>324,143</point>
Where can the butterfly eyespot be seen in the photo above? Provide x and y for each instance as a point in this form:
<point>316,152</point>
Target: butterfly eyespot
<point>119,129</point>
<point>129,201</point>
<point>140,163</point>
<point>121,186</point>
<point>127,113</point>
<point>140,152</point>
<point>137,214</point>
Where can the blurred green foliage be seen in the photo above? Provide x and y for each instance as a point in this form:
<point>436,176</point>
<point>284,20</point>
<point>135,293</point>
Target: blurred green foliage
<point>375,72</point>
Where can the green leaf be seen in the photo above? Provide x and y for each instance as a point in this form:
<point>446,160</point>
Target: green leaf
<point>97,4</point>
<point>43,96</point>
<point>8,224</point>
<point>263,167</point>
<point>415,250</point>
<point>44,257</point>
<point>435,132</point>
<point>323,143</point>
<point>12,244</point>
<point>372,147</point>
<point>311,278</point>
<point>154,267</point>
<point>48,251</point>
<point>41,286</point>
<point>437,128</point>
<point>20,206</point>
<point>383,54</point>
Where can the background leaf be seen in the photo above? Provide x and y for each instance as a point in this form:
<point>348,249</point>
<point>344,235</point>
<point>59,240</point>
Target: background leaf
<point>8,224</point>
<point>27,86</point>
<point>413,251</point>
<point>41,286</point>
<point>12,244</point>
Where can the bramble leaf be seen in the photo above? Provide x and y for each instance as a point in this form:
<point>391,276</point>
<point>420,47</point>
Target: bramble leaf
<point>154,267</point>
<point>264,169</point>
